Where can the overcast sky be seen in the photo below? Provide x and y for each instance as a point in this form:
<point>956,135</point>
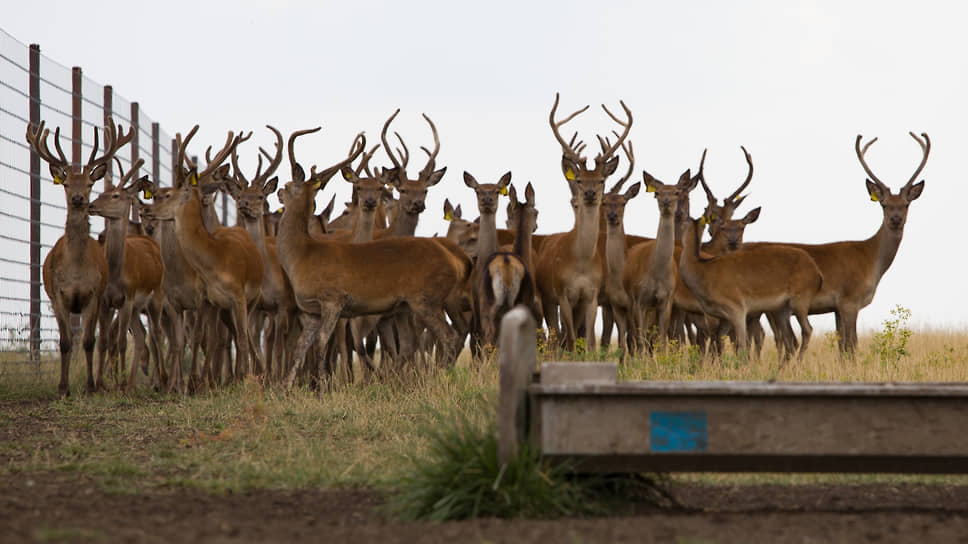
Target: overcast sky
<point>794,82</point>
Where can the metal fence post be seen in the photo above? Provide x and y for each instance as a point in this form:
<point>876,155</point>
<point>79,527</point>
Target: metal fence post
<point>34,85</point>
<point>108,114</point>
<point>155,152</point>
<point>76,127</point>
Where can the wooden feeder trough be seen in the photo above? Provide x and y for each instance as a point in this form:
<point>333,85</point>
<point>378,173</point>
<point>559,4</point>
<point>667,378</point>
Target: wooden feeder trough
<point>579,412</point>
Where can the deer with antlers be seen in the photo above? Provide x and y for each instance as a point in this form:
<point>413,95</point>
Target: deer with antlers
<point>135,277</point>
<point>853,269</point>
<point>335,279</point>
<point>570,266</point>
<point>75,271</point>
<point>227,260</point>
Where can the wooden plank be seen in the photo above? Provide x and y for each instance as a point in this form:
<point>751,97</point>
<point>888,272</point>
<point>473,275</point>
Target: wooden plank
<point>758,389</point>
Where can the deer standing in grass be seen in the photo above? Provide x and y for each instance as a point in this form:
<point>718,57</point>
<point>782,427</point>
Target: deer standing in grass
<point>335,279</point>
<point>774,278</point>
<point>616,296</point>
<point>853,269</point>
<point>227,260</point>
<point>75,271</point>
<point>135,278</point>
<point>570,267</point>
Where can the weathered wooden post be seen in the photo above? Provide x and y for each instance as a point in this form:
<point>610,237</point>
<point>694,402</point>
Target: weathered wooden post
<point>517,356</point>
<point>35,280</point>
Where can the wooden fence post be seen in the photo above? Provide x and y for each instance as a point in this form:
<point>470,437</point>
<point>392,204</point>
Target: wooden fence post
<point>108,119</point>
<point>517,356</point>
<point>34,87</point>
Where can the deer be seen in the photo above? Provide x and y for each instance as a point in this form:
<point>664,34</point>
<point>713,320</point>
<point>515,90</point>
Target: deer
<point>485,305</point>
<point>569,269</point>
<point>227,260</point>
<point>276,303</point>
<point>770,278</point>
<point>616,298</point>
<point>852,270</point>
<point>135,277</point>
<point>651,270</point>
<point>75,271</point>
<point>335,279</point>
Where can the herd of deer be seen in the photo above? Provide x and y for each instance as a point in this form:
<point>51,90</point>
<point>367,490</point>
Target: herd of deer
<point>292,286</point>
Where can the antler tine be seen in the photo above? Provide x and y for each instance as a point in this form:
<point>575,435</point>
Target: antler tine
<point>60,152</point>
<point>925,150</point>
<point>365,162</point>
<point>125,177</point>
<point>231,140</point>
<point>38,141</point>
<point>432,159</point>
<point>405,156</point>
<point>383,138</point>
<point>567,149</point>
<point>710,197</point>
<point>114,139</point>
<point>359,145</point>
<point>235,166</point>
<point>90,158</point>
<point>183,147</point>
<point>274,162</point>
<point>860,155</point>
<point>292,140</point>
<point>702,165</point>
<point>626,125</point>
<point>630,155</point>
<point>749,176</point>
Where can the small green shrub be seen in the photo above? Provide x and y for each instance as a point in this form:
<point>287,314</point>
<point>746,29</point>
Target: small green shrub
<point>890,344</point>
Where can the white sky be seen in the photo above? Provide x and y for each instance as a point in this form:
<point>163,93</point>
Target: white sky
<point>794,82</point>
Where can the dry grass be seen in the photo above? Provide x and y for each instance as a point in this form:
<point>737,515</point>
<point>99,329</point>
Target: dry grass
<point>249,436</point>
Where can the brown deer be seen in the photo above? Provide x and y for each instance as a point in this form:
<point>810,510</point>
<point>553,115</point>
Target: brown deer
<point>764,279</point>
<point>227,260</point>
<point>616,297</point>
<point>135,277</point>
<point>75,271</point>
<point>334,279</point>
<point>651,271</point>
<point>853,269</point>
<point>276,303</point>
<point>570,266</point>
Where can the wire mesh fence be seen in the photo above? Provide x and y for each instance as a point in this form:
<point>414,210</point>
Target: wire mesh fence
<point>33,218</point>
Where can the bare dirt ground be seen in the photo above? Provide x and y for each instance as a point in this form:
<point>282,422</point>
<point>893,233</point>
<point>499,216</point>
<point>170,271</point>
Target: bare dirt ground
<point>73,508</point>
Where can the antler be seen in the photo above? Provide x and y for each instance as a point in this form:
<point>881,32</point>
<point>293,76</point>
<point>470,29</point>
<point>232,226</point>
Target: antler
<point>626,125</point>
<point>431,157</point>
<point>631,157</point>
<point>359,144</point>
<point>125,177</point>
<point>365,162</point>
<point>567,149</point>
<point>274,161</point>
<point>231,141</point>
<point>298,174</point>
<point>860,155</point>
<point>386,146</point>
<point>710,197</point>
<point>38,141</point>
<point>749,177</point>
<point>925,150</point>
<point>183,146</point>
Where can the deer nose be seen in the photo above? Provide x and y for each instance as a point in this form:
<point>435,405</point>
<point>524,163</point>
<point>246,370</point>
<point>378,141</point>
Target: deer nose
<point>77,200</point>
<point>589,194</point>
<point>369,202</point>
<point>418,206</point>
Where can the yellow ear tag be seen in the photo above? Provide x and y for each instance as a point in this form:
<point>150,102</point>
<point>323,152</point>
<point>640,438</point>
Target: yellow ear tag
<point>874,197</point>
<point>58,180</point>
<point>569,175</point>
<point>649,189</point>
<point>193,179</point>
<point>504,191</point>
<point>703,221</point>
<point>448,216</point>
<point>737,198</point>
<point>316,185</point>
<point>148,194</point>
<point>347,175</point>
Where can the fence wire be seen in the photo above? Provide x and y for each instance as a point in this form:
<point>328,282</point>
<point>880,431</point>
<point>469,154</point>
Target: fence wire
<point>56,109</point>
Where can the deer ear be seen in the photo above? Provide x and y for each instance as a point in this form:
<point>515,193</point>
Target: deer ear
<point>348,174</point>
<point>877,194</point>
<point>59,174</point>
<point>650,182</point>
<point>632,191</point>
<point>448,210</point>
<point>470,181</point>
<point>270,186</point>
<point>503,183</point>
<point>569,168</point>
<point>98,172</point>
<point>752,216</point>
<point>912,192</point>
<point>435,177</point>
<point>529,194</point>
<point>610,166</point>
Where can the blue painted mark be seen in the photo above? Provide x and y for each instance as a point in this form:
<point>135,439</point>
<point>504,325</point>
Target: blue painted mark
<point>673,432</point>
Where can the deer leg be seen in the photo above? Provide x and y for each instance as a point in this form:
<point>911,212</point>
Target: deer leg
<point>176,349</point>
<point>608,321</point>
<point>567,316</point>
<point>664,313</point>
<point>433,319</point>
<point>756,333</point>
<point>89,322</point>
<point>849,320</point>
<point>313,326</point>
<point>806,330</point>
<point>62,315</point>
<point>589,309</point>
<point>105,341</point>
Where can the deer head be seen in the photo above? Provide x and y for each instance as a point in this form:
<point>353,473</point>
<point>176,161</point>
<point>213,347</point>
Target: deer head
<point>894,206</point>
<point>516,207</point>
<point>115,202</point>
<point>716,215</point>
<point>613,204</point>
<point>587,184</point>
<point>413,192</point>
<point>488,193</point>
<point>368,190</point>
<point>668,196</point>
<point>251,198</point>
<point>78,183</point>
<point>299,193</point>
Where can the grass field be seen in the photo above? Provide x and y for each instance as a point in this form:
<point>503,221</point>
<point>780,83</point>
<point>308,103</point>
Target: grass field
<point>251,437</point>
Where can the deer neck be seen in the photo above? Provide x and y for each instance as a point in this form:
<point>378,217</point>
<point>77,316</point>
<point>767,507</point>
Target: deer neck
<point>293,235</point>
<point>363,229</point>
<point>256,229</point>
<point>615,252</point>
<point>404,224</point>
<point>586,232</point>
<point>77,231</point>
<point>114,234</point>
<point>486,237</point>
<point>522,243</point>
<point>193,237</point>
<point>665,241</point>
<point>209,217</point>
<point>883,246</point>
